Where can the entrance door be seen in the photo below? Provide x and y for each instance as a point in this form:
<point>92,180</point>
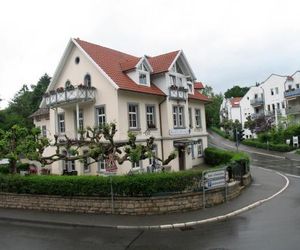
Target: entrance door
<point>181,158</point>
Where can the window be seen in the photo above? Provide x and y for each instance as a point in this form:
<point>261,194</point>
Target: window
<point>150,116</point>
<point>61,123</point>
<point>68,166</point>
<point>297,85</point>
<point>190,87</point>
<point>290,87</point>
<point>137,164</point>
<point>44,131</point>
<point>255,96</point>
<point>142,78</point>
<point>101,165</point>
<point>154,153</point>
<point>67,84</point>
<point>173,80</point>
<point>133,116</point>
<point>77,59</point>
<point>80,120</point>
<point>178,117</point>
<point>198,118</point>
<point>269,108</point>
<point>283,105</point>
<point>273,106</point>
<point>190,118</point>
<point>276,90</point>
<point>272,91</point>
<point>86,161</point>
<point>199,149</point>
<point>193,151</point>
<point>87,80</point>
<point>100,116</point>
<point>278,105</point>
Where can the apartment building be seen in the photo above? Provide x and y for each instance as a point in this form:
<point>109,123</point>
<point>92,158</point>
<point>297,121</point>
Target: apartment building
<point>150,96</point>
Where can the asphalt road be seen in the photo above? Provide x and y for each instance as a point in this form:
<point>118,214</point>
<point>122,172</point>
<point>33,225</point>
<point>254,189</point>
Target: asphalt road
<point>273,225</point>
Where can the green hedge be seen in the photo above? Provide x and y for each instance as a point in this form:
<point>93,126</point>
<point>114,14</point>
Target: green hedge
<point>271,146</point>
<point>136,185</point>
<point>215,156</point>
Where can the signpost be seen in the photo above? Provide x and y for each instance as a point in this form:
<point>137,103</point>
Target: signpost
<point>214,179</point>
<point>111,169</point>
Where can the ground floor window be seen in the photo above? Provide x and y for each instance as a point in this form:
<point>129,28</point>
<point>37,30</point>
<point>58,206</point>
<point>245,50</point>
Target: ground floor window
<point>199,147</point>
<point>101,166</point>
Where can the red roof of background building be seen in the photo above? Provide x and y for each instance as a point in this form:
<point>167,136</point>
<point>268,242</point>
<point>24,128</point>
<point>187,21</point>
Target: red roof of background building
<point>110,61</point>
<point>235,102</point>
<point>198,96</point>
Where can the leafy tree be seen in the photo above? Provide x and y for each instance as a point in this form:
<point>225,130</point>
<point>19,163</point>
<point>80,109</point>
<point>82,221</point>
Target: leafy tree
<point>24,103</point>
<point>236,91</point>
<point>212,109</point>
<point>250,124</point>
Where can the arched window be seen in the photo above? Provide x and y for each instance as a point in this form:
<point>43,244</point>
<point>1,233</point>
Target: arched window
<point>87,80</point>
<point>67,84</point>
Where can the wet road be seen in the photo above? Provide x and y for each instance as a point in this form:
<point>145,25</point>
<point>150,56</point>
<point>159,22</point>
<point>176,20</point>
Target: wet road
<point>273,225</point>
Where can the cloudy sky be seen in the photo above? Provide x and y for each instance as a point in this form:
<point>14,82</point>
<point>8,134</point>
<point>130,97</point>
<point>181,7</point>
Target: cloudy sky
<point>226,42</point>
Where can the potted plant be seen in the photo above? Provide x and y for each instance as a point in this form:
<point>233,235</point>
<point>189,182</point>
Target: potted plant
<point>60,90</point>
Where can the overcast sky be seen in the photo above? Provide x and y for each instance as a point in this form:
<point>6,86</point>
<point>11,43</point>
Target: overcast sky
<point>226,42</point>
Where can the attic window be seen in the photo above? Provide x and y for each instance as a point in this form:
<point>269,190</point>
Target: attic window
<point>77,60</point>
<point>87,80</point>
<point>142,78</point>
<point>143,74</point>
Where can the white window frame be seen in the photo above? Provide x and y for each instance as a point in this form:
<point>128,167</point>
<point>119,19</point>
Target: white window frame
<point>137,165</point>
<point>44,130</point>
<point>61,125</point>
<point>150,116</point>
<point>101,163</point>
<point>198,121</point>
<point>100,117</point>
<point>199,149</point>
<point>178,116</point>
<point>143,70</point>
<point>131,115</point>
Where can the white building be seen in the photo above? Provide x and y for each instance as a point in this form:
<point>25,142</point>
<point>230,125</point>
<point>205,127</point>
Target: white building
<point>150,96</point>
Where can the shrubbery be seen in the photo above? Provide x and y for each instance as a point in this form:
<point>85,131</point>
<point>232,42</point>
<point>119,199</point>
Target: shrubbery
<point>221,133</point>
<point>136,185</point>
<point>270,146</point>
<point>215,156</point>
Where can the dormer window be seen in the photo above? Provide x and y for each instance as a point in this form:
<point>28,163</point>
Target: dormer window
<point>143,74</point>
<point>143,78</point>
<point>190,87</point>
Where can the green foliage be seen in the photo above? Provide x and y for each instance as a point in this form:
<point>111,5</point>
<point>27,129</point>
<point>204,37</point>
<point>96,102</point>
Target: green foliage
<point>136,185</point>
<point>271,146</point>
<point>215,156</point>
<point>23,167</point>
<point>4,169</point>
<point>24,103</point>
<point>236,91</point>
<point>221,133</point>
<point>213,107</point>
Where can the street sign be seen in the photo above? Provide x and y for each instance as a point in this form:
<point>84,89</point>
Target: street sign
<point>215,174</point>
<point>111,165</point>
<point>215,183</point>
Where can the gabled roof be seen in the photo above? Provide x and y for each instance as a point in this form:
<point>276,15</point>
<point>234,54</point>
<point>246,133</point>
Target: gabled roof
<point>235,101</point>
<point>110,61</point>
<point>39,112</point>
<point>162,63</point>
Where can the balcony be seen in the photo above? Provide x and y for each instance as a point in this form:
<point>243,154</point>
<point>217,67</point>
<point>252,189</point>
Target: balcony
<point>293,110</point>
<point>257,115</point>
<point>292,93</point>
<point>257,102</point>
<point>74,94</point>
<point>178,93</point>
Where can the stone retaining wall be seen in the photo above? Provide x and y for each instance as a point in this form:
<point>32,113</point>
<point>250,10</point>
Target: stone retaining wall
<point>123,205</point>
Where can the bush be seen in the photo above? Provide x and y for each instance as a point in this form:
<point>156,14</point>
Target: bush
<point>136,185</point>
<point>221,133</point>
<point>23,167</point>
<point>4,169</point>
<point>271,146</point>
<point>214,156</point>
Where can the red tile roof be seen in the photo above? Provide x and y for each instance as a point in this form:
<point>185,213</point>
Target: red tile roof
<point>110,61</point>
<point>198,85</point>
<point>235,102</point>
<point>162,62</point>
<point>129,64</point>
<point>198,96</point>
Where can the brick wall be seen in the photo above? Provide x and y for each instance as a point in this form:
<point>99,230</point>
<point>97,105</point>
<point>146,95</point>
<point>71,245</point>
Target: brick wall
<point>122,205</point>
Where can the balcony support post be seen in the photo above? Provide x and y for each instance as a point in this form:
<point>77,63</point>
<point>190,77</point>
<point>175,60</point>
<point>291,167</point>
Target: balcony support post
<point>55,121</point>
<point>77,120</point>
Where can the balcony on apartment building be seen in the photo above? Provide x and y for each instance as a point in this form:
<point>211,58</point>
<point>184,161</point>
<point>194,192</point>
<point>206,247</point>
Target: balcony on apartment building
<point>257,115</point>
<point>272,112</point>
<point>70,95</point>
<point>292,93</point>
<point>293,109</point>
<point>178,93</point>
<point>257,102</point>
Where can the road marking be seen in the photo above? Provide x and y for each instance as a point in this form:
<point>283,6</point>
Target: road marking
<point>255,184</point>
<point>291,175</point>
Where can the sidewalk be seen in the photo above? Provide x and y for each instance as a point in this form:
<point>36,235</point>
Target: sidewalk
<point>265,184</point>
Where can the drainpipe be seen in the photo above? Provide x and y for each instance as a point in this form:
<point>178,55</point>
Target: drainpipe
<point>161,134</point>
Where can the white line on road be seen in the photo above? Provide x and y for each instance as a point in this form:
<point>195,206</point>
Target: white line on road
<point>291,175</point>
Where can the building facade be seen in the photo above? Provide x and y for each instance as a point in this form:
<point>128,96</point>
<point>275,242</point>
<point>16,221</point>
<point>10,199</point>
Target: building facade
<point>149,96</point>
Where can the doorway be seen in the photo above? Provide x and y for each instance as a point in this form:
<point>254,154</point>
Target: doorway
<point>181,158</point>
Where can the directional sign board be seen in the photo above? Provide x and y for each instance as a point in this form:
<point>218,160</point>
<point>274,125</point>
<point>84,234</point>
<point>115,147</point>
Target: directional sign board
<point>215,183</point>
<point>214,175</point>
